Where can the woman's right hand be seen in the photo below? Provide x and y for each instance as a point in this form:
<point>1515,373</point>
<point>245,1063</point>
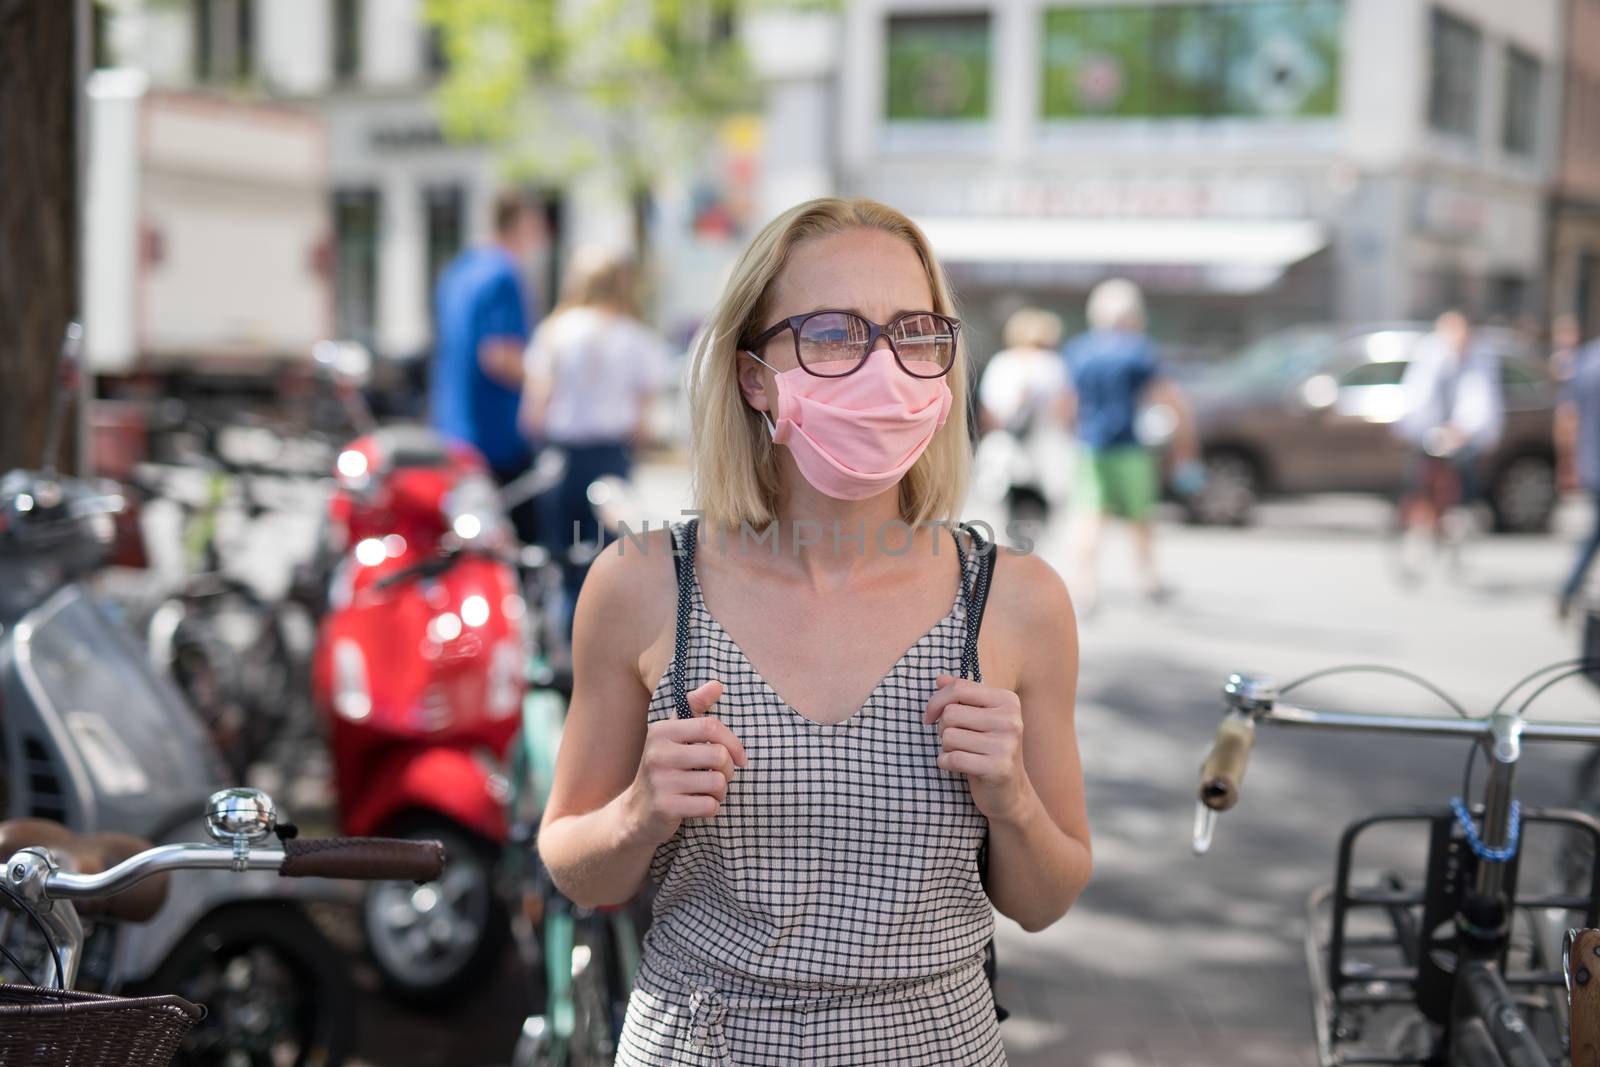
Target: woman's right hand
<point>685,768</point>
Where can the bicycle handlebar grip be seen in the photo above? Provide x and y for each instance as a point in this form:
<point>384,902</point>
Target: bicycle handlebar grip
<point>1583,972</point>
<point>1222,776</point>
<point>373,859</point>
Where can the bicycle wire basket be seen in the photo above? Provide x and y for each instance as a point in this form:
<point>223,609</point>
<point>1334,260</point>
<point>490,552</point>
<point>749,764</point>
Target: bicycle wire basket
<point>52,1028</point>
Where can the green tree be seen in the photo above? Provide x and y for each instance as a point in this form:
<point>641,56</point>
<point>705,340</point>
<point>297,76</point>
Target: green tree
<point>561,87</point>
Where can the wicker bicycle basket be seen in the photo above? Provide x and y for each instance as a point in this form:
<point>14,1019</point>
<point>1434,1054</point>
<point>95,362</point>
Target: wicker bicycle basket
<point>51,1028</point>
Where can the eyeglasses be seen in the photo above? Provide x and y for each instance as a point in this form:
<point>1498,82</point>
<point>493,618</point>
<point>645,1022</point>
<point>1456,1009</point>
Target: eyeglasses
<point>832,344</point>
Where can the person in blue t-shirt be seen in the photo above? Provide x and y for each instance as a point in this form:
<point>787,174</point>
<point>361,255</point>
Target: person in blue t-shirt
<point>1115,373</point>
<point>1577,430</point>
<point>482,326</point>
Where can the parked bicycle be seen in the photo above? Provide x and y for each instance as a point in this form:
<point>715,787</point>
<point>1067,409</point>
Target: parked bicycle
<point>236,650</point>
<point>1473,989</point>
<point>580,961</point>
<point>54,873</point>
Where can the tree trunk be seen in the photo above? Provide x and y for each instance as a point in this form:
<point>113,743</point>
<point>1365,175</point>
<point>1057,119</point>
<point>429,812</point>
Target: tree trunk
<point>38,218</point>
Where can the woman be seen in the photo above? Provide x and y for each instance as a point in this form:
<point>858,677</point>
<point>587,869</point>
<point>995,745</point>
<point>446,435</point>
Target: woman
<point>592,369</point>
<point>1023,405</point>
<point>826,857</point>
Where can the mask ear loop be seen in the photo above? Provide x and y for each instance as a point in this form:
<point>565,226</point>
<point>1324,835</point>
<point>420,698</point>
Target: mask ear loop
<point>772,427</point>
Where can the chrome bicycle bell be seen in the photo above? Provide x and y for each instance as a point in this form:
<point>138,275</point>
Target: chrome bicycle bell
<point>240,815</point>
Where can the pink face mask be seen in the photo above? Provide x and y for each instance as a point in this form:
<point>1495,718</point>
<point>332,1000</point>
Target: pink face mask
<point>855,436</point>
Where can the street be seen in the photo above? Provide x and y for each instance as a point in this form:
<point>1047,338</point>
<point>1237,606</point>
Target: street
<point>1169,959</point>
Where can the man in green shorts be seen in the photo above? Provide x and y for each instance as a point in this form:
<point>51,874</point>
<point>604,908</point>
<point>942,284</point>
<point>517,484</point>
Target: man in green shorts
<point>1115,373</point>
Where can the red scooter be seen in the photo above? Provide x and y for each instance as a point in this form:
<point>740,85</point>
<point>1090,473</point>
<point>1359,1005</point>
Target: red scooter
<point>419,671</point>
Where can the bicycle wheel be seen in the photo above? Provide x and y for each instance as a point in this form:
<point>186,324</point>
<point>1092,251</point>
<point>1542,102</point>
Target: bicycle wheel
<point>224,649</point>
<point>599,998</point>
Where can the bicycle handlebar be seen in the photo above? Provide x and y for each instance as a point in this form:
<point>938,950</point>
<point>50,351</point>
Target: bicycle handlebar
<point>1424,725</point>
<point>365,858</point>
<point>1254,700</point>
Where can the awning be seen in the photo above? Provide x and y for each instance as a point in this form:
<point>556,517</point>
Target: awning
<point>1176,242</point>
<point>1178,255</point>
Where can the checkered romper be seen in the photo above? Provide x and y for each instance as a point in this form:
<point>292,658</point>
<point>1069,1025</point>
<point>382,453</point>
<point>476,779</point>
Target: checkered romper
<point>832,912</point>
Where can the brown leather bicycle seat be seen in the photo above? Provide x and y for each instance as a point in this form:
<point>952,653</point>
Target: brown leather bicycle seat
<point>89,854</point>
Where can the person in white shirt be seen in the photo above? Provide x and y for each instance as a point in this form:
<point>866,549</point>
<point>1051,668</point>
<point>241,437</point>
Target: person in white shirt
<point>1023,404</point>
<point>592,370</point>
<point>1025,384</point>
<point>1454,414</point>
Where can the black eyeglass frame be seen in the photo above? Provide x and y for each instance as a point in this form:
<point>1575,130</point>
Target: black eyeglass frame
<point>874,331</point>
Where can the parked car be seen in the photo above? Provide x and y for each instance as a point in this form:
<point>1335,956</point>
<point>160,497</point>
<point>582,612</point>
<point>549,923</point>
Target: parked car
<point>1312,409</point>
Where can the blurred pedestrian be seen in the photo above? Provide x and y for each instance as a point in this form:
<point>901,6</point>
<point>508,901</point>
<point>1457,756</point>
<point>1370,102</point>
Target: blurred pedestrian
<point>482,322</point>
<point>829,859</point>
<point>1454,410</point>
<point>1115,373</point>
<point>1565,339</point>
<point>1577,434</point>
<point>592,371</point>
<point>1023,406</point>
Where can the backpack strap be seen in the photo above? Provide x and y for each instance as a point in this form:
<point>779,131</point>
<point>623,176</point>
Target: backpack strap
<point>976,598</point>
<point>683,544</point>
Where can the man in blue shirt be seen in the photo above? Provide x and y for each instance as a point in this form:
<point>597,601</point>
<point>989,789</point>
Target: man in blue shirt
<point>1114,373</point>
<point>1578,454</point>
<point>482,325</point>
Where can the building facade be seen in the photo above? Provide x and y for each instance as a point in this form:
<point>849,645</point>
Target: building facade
<point>1575,256</point>
<point>1251,164</point>
<point>403,198</point>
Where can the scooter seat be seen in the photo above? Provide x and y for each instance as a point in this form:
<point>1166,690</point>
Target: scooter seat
<point>89,854</point>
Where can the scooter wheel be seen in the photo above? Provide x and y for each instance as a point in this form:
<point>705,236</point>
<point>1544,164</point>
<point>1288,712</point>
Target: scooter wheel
<point>437,942</point>
<point>274,989</point>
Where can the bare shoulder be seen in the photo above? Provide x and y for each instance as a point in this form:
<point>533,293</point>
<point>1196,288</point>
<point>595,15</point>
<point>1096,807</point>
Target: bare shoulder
<point>1030,591</point>
<point>1029,625</point>
<point>627,602</point>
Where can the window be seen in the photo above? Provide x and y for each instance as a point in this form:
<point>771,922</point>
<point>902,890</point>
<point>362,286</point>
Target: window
<point>224,40</point>
<point>1272,59</point>
<point>1508,295</point>
<point>938,68</point>
<point>1519,123</point>
<point>436,58</point>
<point>1385,372</point>
<point>355,270</point>
<point>1453,79</point>
<point>346,40</point>
<point>100,43</point>
<point>446,208</point>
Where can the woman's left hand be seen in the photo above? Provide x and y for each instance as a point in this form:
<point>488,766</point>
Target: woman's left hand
<point>980,734</point>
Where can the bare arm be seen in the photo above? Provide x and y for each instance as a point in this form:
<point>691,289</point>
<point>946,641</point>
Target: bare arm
<point>623,786</point>
<point>1186,439</point>
<point>1566,441</point>
<point>501,359</point>
<point>1018,746</point>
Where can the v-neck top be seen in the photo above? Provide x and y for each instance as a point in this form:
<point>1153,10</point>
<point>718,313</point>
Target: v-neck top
<point>843,864</point>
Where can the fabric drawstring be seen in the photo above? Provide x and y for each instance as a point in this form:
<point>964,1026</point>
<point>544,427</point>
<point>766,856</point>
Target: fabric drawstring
<point>707,1012</point>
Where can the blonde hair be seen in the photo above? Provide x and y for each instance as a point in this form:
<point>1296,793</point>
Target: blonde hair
<point>601,280</point>
<point>1116,304</point>
<point>735,461</point>
<point>1033,328</point>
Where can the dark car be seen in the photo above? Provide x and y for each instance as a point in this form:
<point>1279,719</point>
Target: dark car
<point>1312,409</point>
